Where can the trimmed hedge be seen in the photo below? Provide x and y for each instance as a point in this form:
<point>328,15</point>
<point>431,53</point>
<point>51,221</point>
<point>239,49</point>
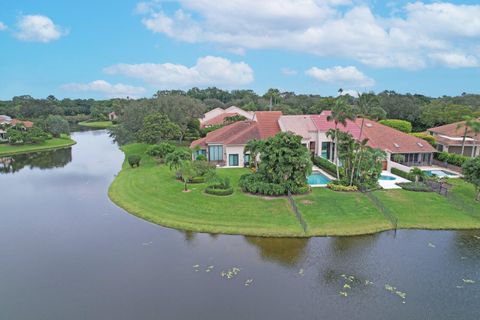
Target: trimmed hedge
<point>403,174</point>
<point>253,183</point>
<point>342,188</point>
<point>397,124</point>
<point>416,187</point>
<point>197,180</point>
<point>219,190</point>
<point>452,158</point>
<point>326,165</point>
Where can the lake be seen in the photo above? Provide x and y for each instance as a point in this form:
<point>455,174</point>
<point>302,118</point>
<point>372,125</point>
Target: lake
<point>67,252</point>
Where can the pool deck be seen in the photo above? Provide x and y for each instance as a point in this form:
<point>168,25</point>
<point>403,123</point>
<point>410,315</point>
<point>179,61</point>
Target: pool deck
<point>455,175</point>
<point>315,168</point>
<point>391,184</point>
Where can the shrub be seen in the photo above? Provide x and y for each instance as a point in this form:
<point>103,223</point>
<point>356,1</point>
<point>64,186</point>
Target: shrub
<point>452,158</point>
<point>400,125</point>
<point>197,180</point>
<point>425,136</point>
<point>134,160</point>
<point>417,187</point>
<point>161,150</point>
<point>218,190</point>
<point>403,174</point>
<point>201,157</point>
<point>202,168</point>
<point>340,187</point>
<point>326,165</point>
<point>255,184</point>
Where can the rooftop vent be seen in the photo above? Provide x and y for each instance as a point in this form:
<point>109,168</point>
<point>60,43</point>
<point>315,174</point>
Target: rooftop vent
<point>369,125</point>
<point>420,144</point>
<point>396,145</point>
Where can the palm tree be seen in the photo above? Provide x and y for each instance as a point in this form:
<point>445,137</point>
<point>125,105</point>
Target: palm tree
<point>175,159</point>
<point>475,126</point>
<point>468,123</point>
<point>254,147</point>
<point>418,173</point>
<point>187,172</point>
<point>341,112</point>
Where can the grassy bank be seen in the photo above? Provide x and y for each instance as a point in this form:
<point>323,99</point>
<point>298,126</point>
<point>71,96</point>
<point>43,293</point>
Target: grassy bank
<point>97,124</point>
<point>152,193</point>
<point>55,143</point>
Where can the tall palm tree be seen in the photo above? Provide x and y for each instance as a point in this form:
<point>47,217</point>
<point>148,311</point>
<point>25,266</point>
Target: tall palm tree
<point>468,123</point>
<point>475,130</point>
<point>341,112</point>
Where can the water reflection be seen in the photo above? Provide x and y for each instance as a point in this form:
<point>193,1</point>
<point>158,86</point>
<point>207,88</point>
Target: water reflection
<point>287,252</point>
<point>40,160</point>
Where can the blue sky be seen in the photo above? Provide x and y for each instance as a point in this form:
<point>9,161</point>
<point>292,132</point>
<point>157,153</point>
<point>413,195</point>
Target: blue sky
<point>104,49</point>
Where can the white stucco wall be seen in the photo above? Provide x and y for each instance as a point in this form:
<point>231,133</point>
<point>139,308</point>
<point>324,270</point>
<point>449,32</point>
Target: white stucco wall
<point>240,150</point>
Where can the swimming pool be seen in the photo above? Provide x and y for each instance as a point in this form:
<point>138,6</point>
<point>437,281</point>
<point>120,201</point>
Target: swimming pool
<point>387,178</point>
<point>317,178</point>
<point>440,173</point>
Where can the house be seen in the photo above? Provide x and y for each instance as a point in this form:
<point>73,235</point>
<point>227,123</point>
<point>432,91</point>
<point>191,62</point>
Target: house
<point>449,138</point>
<point>226,146</point>
<point>217,116</point>
<point>8,121</point>
<point>112,116</point>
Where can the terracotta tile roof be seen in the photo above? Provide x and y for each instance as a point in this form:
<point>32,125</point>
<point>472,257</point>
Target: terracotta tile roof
<point>456,142</point>
<point>323,125</point>
<point>268,123</point>
<point>451,129</point>
<point>392,140</point>
<point>218,119</point>
<point>26,124</point>
<point>236,133</point>
<point>301,125</point>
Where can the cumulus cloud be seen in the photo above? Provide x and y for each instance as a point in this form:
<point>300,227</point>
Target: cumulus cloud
<point>3,26</point>
<point>333,28</point>
<point>345,76</point>
<point>38,28</point>
<point>110,90</point>
<point>455,60</point>
<point>208,71</point>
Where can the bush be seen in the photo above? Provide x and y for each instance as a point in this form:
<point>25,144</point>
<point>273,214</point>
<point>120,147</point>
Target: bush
<point>326,165</point>
<point>219,190</point>
<point>403,174</point>
<point>134,160</point>
<point>197,180</point>
<point>161,150</point>
<point>400,125</point>
<point>417,187</point>
<point>425,136</point>
<point>253,183</point>
<point>452,158</point>
<point>342,188</point>
<point>201,157</point>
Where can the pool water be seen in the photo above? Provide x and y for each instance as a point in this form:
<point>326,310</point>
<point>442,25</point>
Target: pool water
<point>387,178</point>
<point>439,173</point>
<point>317,178</point>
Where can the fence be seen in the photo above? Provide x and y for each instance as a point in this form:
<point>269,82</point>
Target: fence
<point>386,212</point>
<point>297,212</point>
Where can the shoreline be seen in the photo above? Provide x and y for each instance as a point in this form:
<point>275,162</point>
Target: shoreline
<point>26,149</point>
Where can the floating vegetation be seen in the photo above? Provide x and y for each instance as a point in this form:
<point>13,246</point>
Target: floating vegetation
<point>347,286</point>
<point>367,282</point>
<point>347,277</point>
<point>230,273</point>
<point>248,282</point>
<point>301,272</point>
<point>394,290</point>
<point>343,293</point>
<point>469,281</point>
<point>459,287</point>
<point>209,268</point>
<point>477,237</point>
<point>431,245</point>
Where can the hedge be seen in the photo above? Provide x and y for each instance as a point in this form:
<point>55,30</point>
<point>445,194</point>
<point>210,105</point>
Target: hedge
<point>403,174</point>
<point>339,187</point>
<point>452,158</point>
<point>197,180</point>
<point>326,165</point>
<point>400,125</point>
<point>254,183</point>
<point>217,190</point>
<point>417,187</point>
<point>425,136</point>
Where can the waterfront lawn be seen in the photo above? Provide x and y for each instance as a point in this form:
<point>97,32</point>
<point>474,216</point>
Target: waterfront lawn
<point>152,193</point>
<point>97,124</point>
<point>56,143</point>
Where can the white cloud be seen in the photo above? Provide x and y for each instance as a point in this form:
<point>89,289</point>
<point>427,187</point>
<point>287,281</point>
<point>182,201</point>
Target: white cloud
<point>455,60</point>
<point>38,28</point>
<point>3,26</point>
<point>208,71</point>
<point>110,90</point>
<point>289,72</point>
<point>336,28</point>
<point>345,76</point>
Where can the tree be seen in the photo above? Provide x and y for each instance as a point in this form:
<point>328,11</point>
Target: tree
<point>56,125</point>
<point>176,158</point>
<point>161,150</point>
<point>418,173</point>
<point>157,127</point>
<point>471,173</point>
<point>254,146</point>
<point>469,124</point>
<point>186,172</point>
<point>341,112</point>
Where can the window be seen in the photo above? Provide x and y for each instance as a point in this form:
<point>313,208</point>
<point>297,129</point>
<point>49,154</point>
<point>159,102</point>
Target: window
<point>233,160</point>
<point>202,152</point>
<point>246,160</point>
<point>326,150</point>
<point>215,153</point>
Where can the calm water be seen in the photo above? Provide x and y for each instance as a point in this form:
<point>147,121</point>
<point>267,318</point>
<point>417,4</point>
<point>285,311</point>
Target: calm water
<point>66,252</point>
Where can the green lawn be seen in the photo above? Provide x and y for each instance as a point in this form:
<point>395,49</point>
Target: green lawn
<point>56,143</point>
<point>152,193</point>
<point>97,124</point>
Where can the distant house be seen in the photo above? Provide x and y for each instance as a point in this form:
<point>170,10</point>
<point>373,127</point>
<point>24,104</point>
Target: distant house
<point>225,146</point>
<point>112,116</point>
<point>217,116</point>
<point>449,138</point>
<point>8,121</point>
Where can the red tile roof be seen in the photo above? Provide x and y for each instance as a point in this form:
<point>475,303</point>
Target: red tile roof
<point>323,125</point>
<point>456,129</point>
<point>236,133</point>
<point>268,123</point>
<point>220,119</point>
<point>26,124</point>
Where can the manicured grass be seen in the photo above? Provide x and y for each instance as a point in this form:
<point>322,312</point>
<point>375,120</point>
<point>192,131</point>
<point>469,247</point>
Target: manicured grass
<point>152,193</point>
<point>56,143</point>
<point>97,124</point>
